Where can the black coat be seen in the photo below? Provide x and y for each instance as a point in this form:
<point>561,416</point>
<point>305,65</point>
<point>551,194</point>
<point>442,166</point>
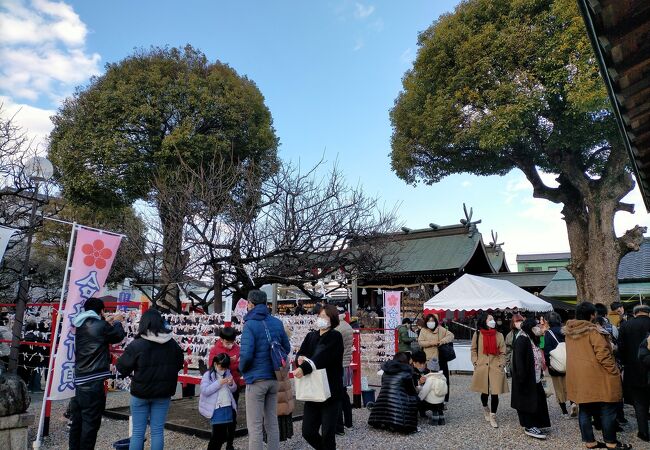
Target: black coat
<point>523,395</point>
<point>326,351</point>
<point>396,405</point>
<point>644,357</point>
<point>92,340</point>
<point>154,366</point>
<point>630,335</point>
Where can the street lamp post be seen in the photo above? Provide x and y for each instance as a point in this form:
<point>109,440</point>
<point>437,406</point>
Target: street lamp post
<point>39,170</point>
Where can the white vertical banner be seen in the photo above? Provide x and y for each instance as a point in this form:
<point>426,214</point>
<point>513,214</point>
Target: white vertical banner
<point>94,253</point>
<point>392,314</point>
<point>5,235</point>
<point>227,309</point>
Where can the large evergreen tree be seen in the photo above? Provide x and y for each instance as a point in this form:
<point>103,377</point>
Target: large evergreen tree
<point>499,85</point>
<point>116,138</point>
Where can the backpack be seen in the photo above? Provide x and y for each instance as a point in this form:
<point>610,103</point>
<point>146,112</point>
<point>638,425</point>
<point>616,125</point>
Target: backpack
<point>279,357</point>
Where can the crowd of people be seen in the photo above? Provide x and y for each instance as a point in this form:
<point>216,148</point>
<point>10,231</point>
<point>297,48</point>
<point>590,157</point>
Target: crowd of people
<point>595,363</point>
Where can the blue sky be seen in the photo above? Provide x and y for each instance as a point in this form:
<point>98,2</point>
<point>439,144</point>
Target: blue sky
<point>329,71</point>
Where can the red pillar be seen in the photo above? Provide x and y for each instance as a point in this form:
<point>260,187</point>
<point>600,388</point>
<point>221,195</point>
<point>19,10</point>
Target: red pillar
<point>356,369</point>
<point>48,402</point>
<point>396,332</point>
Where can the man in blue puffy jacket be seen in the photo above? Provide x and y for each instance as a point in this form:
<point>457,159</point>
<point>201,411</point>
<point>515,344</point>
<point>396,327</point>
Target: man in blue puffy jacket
<point>256,367</point>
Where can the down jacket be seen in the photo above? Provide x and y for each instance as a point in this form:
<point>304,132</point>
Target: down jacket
<point>396,406</point>
<point>347,334</point>
<point>255,352</point>
<point>434,389</point>
<point>154,362</point>
<point>210,388</point>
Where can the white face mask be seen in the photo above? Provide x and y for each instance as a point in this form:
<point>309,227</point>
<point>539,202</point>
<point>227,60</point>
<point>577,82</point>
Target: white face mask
<point>537,331</point>
<point>518,325</point>
<point>491,323</point>
<point>322,323</point>
<point>431,325</point>
<point>221,371</point>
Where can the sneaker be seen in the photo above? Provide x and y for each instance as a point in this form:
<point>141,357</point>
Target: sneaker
<point>493,420</point>
<point>534,432</point>
<point>486,413</point>
<point>574,410</point>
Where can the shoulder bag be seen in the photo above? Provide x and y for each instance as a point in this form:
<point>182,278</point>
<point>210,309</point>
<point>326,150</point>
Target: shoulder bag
<point>313,387</point>
<point>557,356</point>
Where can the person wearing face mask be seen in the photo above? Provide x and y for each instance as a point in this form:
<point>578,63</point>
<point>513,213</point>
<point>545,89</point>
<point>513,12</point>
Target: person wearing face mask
<point>489,358</point>
<point>256,366</point>
<point>515,327</point>
<point>593,379</point>
<point>324,347</point>
<point>226,344</point>
<point>431,337</point>
<point>528,396</point>
<point>552,338</point>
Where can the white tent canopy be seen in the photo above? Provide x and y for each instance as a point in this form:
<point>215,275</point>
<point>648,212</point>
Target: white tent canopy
<point>471,292</point>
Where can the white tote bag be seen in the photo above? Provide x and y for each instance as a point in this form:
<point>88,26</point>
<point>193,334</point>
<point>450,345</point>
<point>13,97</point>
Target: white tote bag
<point>313,387</point>
<point>557,356</point>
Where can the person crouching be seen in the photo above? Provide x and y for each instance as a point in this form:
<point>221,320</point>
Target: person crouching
<point>433,392</point>
<point>396,408</point>
<point>216,401</point>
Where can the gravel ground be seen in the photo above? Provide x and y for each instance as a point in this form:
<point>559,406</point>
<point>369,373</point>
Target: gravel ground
<point>465,429</point>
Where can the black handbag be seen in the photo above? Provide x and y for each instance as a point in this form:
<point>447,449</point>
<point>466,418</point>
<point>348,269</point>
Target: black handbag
<point>446,352</point>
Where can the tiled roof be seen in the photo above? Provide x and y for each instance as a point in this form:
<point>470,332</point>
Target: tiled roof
<point>448,248</point>
<point>636,265</point>
<point>524,279</point>
<point>543,257</point>
<point>563,285</point>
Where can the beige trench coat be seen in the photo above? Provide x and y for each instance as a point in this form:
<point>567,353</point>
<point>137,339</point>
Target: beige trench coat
<point>489,375</point>
<point>430,340</point>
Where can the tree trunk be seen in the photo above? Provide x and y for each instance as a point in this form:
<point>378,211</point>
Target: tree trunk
<point>596,252</point>
<point>172,258</point>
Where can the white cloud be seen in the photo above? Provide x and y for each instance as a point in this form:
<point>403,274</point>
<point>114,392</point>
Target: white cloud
<point>466,184</point>
<point>42,50</point>
<point>362,11</point>
<point>358,45</point>
<point>35,122</point>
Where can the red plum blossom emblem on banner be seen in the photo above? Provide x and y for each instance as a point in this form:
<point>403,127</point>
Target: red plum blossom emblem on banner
<point>96,254</point>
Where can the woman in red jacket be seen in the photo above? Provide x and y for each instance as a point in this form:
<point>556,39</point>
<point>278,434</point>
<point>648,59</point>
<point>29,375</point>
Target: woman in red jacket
<point>226,344</point>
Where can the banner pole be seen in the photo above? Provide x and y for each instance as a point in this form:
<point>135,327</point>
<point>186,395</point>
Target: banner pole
<point>56,329</point>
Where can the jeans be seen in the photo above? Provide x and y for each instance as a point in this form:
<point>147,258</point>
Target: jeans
<point>262,410</point>
<point>321,416</point>
<point>155,410</point>
<point>86,409</point>
<point>607,413</point>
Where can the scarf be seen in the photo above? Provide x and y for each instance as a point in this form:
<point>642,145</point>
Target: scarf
<point>490,342</point>
<point>540,361</point>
